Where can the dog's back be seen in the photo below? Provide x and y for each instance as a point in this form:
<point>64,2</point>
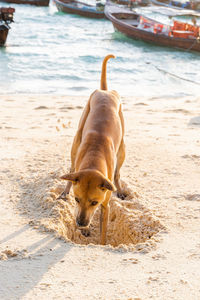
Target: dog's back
<point>103,118</point>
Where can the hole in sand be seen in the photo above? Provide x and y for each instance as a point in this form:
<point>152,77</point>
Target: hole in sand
<point>130,222</point>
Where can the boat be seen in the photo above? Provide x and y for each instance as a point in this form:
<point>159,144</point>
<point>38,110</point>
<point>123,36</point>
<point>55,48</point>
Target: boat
<point>192,5</point>
<point>136,26</point>
<point>30,2</point>
<point>133,3</point>
<point>170,12</point>
<point>6,17</point>
<point>81,8</point>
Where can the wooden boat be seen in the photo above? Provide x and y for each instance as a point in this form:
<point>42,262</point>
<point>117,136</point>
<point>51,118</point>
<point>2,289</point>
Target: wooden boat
<point>6,17</point>
<point>30,2</point>
<point>81,8</point>
<point>193,5</point>
<point>133,3</point>
<point>171,12</point>
<point>180,35</point>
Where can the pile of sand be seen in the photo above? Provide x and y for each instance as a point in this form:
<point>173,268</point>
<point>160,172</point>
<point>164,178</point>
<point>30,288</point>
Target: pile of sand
<point>130,222</point>
<point>16,253</point>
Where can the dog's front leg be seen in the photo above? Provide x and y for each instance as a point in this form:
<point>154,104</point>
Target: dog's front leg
<point>120,160</point>
<point>105,209</point>
<point>66,191</point>
<point>75,147</point>
<point>104,223</point>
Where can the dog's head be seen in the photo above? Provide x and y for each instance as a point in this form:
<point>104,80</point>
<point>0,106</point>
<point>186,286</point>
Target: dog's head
<point>90,189</point>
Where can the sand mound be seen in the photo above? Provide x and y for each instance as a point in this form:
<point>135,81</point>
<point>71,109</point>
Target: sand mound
<point>130,222</point>
<point>10,254</point>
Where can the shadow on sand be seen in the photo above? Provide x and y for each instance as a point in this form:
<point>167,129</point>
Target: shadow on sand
<point>19,276</point>
<point>194,122</point>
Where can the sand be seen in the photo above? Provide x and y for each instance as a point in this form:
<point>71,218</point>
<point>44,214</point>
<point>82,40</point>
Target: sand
<point>153,246</point>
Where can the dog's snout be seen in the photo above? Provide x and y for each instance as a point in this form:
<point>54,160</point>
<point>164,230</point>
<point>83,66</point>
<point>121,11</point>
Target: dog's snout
<point>81,223</point>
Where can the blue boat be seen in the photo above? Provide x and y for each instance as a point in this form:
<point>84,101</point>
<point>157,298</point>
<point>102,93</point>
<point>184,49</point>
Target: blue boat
<point>81,8</point>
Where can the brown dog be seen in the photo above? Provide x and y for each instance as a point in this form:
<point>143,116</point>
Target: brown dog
<point>97,154</point>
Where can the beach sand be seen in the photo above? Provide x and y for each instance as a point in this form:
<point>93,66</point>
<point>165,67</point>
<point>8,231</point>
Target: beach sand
<point>153,249</point>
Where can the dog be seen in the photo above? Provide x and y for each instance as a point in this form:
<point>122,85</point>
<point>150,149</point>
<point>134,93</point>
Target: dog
<point>97,154</point>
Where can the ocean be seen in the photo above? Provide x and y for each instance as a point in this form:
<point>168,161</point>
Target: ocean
<point>55,53</point>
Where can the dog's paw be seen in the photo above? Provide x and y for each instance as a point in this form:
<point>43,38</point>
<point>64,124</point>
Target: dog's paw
<point>85,232</point>
<point>63,196</point>
<point>122,196</point>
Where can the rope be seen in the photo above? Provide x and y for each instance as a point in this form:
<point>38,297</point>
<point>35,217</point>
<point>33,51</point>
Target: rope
<point>174,75</point>
<point>196,41</point>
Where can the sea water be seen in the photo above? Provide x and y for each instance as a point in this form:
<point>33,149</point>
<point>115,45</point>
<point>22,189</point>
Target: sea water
<point>51,52</point>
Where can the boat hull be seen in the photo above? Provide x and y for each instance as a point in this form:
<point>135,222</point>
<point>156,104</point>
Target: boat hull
<point>30,2</point>
<point>159,40</point>
<point>85,11</point>
<point>150,37</point>
<point>177,5</point>
<point>3,34</point>
<point>132,3</point>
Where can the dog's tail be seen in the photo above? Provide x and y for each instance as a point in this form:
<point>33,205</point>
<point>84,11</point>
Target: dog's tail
<point>103,71</point>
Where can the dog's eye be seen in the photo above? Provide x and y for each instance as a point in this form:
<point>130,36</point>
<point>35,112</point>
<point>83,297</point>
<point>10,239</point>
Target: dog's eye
<point>77,200</point>
<point>102,187</point>
<point>93,203</point>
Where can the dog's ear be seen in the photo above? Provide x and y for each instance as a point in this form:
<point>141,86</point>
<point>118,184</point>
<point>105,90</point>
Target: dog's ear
<point>74,177</point>
<point>107,184</point>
